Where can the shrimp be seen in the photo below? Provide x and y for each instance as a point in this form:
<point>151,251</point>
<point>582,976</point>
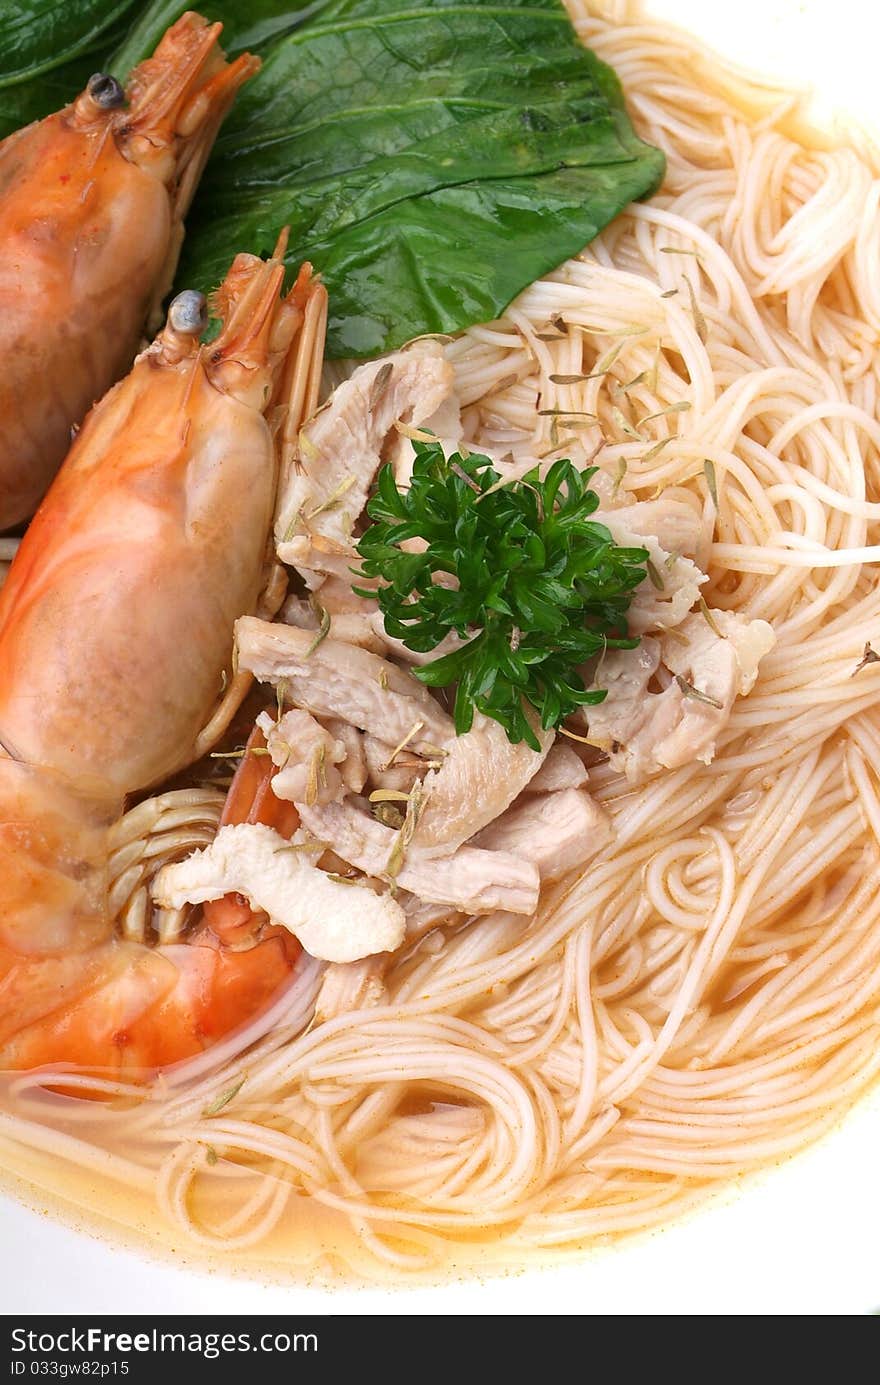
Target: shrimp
<point>92,201</point>
<point>116,635</point>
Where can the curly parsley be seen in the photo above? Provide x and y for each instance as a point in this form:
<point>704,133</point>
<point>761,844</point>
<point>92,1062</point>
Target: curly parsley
<point>538,587</point>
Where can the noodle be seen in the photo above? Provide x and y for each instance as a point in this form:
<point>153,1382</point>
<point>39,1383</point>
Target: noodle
<point>707,998</point>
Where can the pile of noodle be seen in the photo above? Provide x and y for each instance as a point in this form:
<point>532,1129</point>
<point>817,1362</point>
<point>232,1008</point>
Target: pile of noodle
<point>707,998</point>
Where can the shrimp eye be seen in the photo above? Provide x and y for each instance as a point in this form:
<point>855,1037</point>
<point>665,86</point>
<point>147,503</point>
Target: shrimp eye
<point>105,91</point>
<point>188,313</point>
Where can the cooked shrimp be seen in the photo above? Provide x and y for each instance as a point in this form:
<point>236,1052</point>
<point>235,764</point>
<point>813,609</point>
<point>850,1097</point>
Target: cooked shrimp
<point>91,224</point>
<point>115,645</point>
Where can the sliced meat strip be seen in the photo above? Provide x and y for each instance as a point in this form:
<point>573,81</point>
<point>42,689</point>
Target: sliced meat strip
<point>339,599</point>
<point>398,773</point>
<point>332,679</point>
<point>306,756</point>
<point>423,916</point>
<point>482,774</point>
<point>562,769</point>
<point>324,566</point>
<point>444,423</point>
<point>557,832</point>
<point>624,674</point>
<point>340,449</point>
<point>354,766</point>
<point>334,921</point>
<point>399,650</point>
<point>674,520</point>
<point>349,627</point>
<point>347,986</point>
<point>672,586</point>
<point>719,668</point>
<point>469,880</point>
<point>649,732</point>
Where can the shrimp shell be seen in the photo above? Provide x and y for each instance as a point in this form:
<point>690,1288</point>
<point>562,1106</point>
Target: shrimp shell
<point>92,201</point>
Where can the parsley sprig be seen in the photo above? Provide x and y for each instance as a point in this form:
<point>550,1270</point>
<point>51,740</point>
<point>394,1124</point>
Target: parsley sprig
<point>538,588</point>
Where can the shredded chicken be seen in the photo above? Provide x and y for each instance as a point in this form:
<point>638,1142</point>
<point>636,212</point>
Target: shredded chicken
<point>557,832</point>
<point>624,674</point>
<point>424,915</point>
<point>562,769</point>
<point>354,766</point>
<point>332,679</point>
<point>347,986</point>
<point>339,598</point>
<point>334,921</point>
<point>444,423</point>
<point>349,627</point>
<point>662,730</point>
<point>399,650</point>
<point>750,641</point>
<point>320,566</point>
<point>306,756</point>
<point>481,776</point>
<point>674,520</point>
<point>469,880</point>
<point>672,586</point>
<point>340,450</point>
<point>388,770</point>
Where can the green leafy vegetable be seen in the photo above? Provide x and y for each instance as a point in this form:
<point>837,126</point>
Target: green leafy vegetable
<point>48,51</point>
<point>538,587</point>
<point>431,159</point>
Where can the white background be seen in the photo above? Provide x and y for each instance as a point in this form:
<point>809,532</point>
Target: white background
<point>804,1239</point>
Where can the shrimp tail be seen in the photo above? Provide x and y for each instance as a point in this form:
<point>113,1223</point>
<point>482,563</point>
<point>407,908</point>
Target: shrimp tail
<point>71,990</point>
<point>122,1008</point>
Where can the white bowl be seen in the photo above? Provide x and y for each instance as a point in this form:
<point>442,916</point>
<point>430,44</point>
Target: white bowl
<point>799,1239</point>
